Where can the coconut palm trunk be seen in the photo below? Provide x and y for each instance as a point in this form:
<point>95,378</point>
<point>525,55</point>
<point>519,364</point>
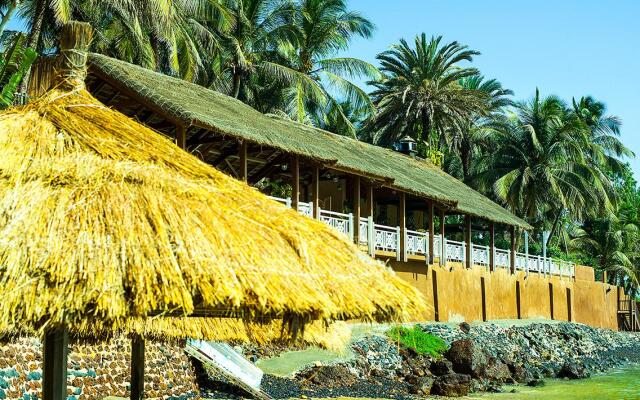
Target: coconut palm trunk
<point>7,16</point>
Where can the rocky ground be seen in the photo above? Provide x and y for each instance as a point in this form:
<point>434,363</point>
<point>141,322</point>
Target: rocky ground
<point>480,358</point>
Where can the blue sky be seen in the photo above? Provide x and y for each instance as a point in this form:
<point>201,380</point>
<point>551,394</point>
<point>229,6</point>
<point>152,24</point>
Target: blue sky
<point>569,48</point>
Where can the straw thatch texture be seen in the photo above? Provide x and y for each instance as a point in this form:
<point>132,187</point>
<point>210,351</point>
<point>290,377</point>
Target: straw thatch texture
<point>103,220</point>
<point>196,105</point>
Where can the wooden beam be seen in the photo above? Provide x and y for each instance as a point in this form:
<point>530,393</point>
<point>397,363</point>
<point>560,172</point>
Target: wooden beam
<point>137,367</point>
<point>492,247</point>
<point>267,169</point>
<point>443,247</point>
<point>226,153</point>
<point>356,209</point>
<point>512,231</point>
<point>430,228</point>
<point>181,136</point>
<point>402,217</point>
<point>295,181</point>
<point>242,156</point>
<point>54,371</point>
<point>467,240</point>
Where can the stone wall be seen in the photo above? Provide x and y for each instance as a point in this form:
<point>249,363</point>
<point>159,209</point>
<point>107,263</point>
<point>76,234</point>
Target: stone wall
<point>97,371</point>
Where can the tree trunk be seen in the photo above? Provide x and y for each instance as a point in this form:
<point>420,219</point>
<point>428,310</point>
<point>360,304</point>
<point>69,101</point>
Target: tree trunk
<point>235,88</point>
<point>33,40</point>
<point>465,157</point>
<point>10,11</point>
<point>426,126</point>
<point>554,227</point>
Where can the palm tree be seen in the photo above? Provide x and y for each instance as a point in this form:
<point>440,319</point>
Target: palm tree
<point>7,9</point>
<point>606,149</point>
<point>318,80</point>
<point>421,91</point>
<point>465,143</point>
<point>611,243</point>
<point>538,167</point>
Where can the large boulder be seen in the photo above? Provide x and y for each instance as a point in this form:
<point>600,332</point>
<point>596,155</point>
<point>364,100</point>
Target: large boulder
<point>573,371</point>
<point>422,386</point>
<point>441,367</point>
<point>467,358</point>
<point>497,372</point>
<point>452,385</point>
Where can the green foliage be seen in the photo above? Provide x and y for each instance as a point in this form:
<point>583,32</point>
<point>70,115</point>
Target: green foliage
<point>14,64</point>
<point>418,340</point>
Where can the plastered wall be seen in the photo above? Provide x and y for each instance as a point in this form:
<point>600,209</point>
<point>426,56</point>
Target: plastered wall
<point>460,294</point>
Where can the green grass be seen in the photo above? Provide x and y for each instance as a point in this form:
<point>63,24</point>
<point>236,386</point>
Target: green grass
<point>422,342</point>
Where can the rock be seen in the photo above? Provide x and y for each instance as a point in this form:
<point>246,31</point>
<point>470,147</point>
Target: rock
<point>422,386</point>
<point>573,371</point>
<point>441,367</point>
<point>467,358</point>
<point>536,383</point>
<point>465,327</point>
<point>494,389</point>
<point>519,372</point>
<point>336,375</point>
<point>497,371</point>
<point>452,385</point>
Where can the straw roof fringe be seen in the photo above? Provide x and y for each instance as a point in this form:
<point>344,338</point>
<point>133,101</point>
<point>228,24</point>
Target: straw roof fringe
<point>103,220</point>
<point>195,105</point>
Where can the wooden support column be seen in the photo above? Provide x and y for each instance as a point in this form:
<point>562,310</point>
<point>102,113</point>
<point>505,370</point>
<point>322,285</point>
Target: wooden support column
<point>443,240</point>
<point>492,246</point>
<point>137,367</point>
<point>54,371</point>
<point>295,181</point>
<point>467,241</point>
<point>369,207</point>
<point>356,209</point>
<point>432,232</point>
<point>181,136</point>
<point>512,231</point>
<point>242,156</point>
<point>315,191</point>
<point>402,221</point>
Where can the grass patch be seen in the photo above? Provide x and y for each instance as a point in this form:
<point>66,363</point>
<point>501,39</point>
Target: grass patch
<point>417,340</point>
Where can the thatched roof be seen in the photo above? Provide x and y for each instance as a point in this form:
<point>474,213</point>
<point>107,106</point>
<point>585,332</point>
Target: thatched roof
<point>103,220</point>
<point>196,105</point>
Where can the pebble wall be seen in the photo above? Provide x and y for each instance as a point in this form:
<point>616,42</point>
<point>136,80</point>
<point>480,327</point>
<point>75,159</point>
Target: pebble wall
<point>97,371</point>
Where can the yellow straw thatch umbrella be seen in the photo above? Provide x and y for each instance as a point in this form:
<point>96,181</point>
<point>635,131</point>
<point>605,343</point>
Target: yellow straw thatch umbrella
<point>104,221</point>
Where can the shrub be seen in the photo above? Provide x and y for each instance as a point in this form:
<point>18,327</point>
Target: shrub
<point>419,341</point>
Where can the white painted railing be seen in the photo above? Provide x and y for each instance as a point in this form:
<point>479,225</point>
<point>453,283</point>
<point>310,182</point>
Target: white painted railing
<point>387,238</point>
<point>455,251</point>
<point>343,223</point>
<point>417,242</point>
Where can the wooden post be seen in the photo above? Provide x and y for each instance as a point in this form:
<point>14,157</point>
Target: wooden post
<point>54,371</point>
<point>315,191</point>
<point>356,209</point>
<point>402,222</point>
<point>242,157</point>
<point>369,207</point>
<point>181,136</point>
<point>512,230</point>
<point>295,182</point>
<point>492,247</point>
<point>467,240</point>
<point>443,240</point>
<point>137,367</point>
<point>432,232</point>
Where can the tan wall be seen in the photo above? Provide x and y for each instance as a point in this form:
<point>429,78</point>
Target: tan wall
<point>460,294</point>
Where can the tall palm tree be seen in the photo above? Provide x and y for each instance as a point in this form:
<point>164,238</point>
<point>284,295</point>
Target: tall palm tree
<point>465,143</point>
<point>538,167</point>
<point>421,91</point>
<point>318,80</point>
<point>606,149</point>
